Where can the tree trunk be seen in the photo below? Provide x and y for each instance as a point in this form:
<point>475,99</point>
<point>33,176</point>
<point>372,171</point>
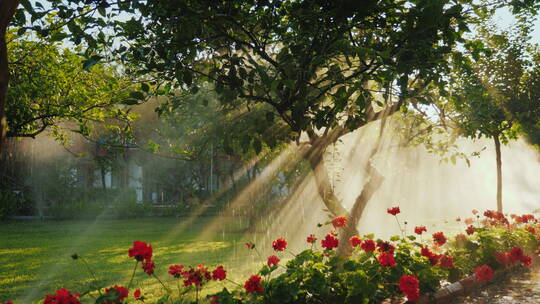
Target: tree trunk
<point>316,160</point>
<point>7,10</point>
<point>373,183</point>
<point>497,141</point>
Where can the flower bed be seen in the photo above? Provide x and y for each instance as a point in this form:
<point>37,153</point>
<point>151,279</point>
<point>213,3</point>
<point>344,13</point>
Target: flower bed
<point>402,268</point>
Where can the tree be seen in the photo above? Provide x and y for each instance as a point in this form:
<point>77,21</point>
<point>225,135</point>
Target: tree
<point>489,92</point>
<point>49,89</point>
<point>325,67</point>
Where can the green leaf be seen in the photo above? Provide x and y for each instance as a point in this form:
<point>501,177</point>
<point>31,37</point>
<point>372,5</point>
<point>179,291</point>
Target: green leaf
<point>90,62</point>
<point>145,87</point>
<point>187,77</point>
<point>137,95</point>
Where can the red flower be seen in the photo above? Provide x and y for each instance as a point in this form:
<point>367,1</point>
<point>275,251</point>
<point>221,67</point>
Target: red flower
<point>148,267</point>
<point>196,276</point>
<point>137,294</point>
<point>339,221</point>
<point>386,260</point>
<point>119,292</point>
<point>483,273</point>
<point>433,258</point>
<point>219,274</point>
<point>368,245</point>
<point>393,210</point>
<point>470,230</point>
<point>526,261</point>
<point>279,244</point>
<point>409,286</point>
<point>8,302</point>
<point>530,229</point>
<point>385,247</point>
<point>214,300</point>
<point>439,238</point>
<point>330,242</point>
<point>516,254</point>
<point>253,284</point>
<point>447,261</point>
<point>503,257</point>
<point>419,229</point>
<point>250,245</point>
<point>62,296</point>
<point>311,239</point>
<point>176,270</point>
<point>272,260</point>
<point>140,251</point>
<point>355,241</point>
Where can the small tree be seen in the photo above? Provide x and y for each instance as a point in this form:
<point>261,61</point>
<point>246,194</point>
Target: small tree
<point>489,93</point>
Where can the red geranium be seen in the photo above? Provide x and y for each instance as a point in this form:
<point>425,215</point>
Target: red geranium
<point>330,242</point>
<point>470,230</point>
<point>368,245</point>
<point>393,210</point>
<point>137,294</point>
<point>339,221</point>
<point>176,270</point>
<point>311,239</point>
<point>148,267</point>
<point>219,274</point>
<point>526,261</point>
<point>272,260</point>
<point>516,254</point>
<point>355,241</point>
<point>409,286</point>
<point>253,284</point>
<point>62,296</point>
<point>433,258</point>
<point>386,260</point>
<point>503,257</point>
<point>530,229</point>
<point>214,300</point>
<point>483,273</point>
<point>439,238</point>
<point>279,244</point>
<point>386,247</point>
<point>140,251</point>
<point>419,229</point>
<point>446,261</point>
<point>196,276</point>
<point>119,292</point>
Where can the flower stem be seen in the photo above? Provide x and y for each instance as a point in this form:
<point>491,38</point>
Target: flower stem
<point>157,278</point>
<point>234,282</point>
<point>133,274</point>
<point>92,273</point>
<point>399,225</point>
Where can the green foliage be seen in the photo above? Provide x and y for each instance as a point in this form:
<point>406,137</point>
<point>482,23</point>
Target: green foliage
<point>49,89</point>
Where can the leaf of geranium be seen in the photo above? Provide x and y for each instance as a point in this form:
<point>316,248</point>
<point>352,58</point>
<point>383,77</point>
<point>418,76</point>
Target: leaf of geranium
<point>265,270</point>
<point>395,238</point>
<point>163,299</point>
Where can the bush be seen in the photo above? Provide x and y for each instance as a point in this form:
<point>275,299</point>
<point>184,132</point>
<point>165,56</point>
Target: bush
<point>14,203</point>
<point>377,270</point>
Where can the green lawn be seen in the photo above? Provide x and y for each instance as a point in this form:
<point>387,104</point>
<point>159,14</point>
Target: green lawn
<point>35,255</point>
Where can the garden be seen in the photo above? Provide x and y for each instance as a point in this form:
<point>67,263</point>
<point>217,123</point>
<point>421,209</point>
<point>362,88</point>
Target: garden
<point>273,151</point>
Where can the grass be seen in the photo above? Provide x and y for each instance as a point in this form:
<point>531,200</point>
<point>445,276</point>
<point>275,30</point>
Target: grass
<point>35,255</point>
